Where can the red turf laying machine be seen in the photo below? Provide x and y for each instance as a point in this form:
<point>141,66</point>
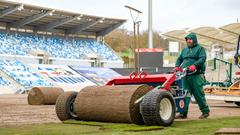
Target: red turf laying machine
<point>137,98</point>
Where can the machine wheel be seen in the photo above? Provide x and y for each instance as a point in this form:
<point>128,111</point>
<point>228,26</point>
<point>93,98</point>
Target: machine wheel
<point>158,108</point>
<point>237,103</point>
<point>64,106</point>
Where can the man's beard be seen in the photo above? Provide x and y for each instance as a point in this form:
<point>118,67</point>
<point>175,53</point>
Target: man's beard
<point>190,45</point>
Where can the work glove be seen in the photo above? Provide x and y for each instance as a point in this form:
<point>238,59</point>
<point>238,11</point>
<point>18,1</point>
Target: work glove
<point>176,69</point>
<point>192,68</point>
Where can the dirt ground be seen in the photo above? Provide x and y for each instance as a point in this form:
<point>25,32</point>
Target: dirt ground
<point>14,110</point>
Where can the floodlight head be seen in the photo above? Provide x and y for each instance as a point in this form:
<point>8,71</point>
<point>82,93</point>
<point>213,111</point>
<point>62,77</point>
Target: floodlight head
<point>78,18</point>
<point>134,9</point>
<point>51,12</point>
<point>102,20</point>
<point>20,7</point>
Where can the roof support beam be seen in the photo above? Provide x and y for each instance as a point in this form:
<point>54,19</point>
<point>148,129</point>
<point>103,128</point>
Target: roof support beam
<point>181,40</point>
<point>30,19</point>
<point>109,29</point>
<point>83,33</point>
<point>87,33</point>
<point>57,23</point>
<point>82,27</point>
<point>214,39</point>
<point>174,38</point>
<point>10,10</point>
<point>231,32</point>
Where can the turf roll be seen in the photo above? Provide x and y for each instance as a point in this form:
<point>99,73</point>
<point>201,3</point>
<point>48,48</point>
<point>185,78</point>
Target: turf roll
<point>44,95</point>
<point>110,103</point>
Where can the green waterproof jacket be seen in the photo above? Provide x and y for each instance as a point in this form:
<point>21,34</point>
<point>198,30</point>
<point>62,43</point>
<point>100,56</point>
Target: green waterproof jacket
<point>193,55</point>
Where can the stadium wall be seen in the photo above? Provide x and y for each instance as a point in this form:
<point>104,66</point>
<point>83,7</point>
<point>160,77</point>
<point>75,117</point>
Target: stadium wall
<point>112,64</point>
<point>59,61</point>
<point>24,59</point>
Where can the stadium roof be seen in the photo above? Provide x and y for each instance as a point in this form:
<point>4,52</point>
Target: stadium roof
<point>225,36</point>
<point>19,15</point>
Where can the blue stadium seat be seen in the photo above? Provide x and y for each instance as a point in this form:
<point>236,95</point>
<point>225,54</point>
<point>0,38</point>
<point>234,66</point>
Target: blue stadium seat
<point>4,82</point>
<point>102,50</point>
<point>17,44</point>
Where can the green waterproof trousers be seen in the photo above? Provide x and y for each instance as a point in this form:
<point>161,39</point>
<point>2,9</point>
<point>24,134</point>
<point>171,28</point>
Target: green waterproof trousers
<point>193,85</point>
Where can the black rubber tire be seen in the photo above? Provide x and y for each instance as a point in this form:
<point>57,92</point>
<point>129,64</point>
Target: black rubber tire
<point>64,106</point>
<point>150,108</point>
<point>237,103</point>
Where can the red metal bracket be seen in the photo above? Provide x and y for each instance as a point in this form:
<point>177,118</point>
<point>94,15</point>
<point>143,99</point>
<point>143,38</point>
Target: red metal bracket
<point>142,74</point>
<point>133,75</point>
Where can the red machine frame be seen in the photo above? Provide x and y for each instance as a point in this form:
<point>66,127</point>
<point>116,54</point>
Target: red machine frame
<point>165,79</point>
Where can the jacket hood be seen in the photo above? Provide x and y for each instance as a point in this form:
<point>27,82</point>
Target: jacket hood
<point>193,37</point>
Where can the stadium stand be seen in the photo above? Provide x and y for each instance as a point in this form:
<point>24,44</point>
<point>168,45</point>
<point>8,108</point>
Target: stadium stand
<point>102,51</point>
<point>4,82</point>
<point>10,46</point>
<point>30,34</point>
<point>18,44</point>
<point>21,74</point>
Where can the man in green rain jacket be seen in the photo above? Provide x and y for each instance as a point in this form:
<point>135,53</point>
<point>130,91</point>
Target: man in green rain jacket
<point>193,57</point>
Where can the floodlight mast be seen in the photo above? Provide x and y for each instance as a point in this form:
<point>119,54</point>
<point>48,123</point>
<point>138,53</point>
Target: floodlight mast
<point>150,33</point>
<point>135,23</point>
<point>138,43</point>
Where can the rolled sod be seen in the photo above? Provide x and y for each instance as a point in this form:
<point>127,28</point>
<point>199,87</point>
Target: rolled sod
<point>110,103</point>
<point>44,95</point>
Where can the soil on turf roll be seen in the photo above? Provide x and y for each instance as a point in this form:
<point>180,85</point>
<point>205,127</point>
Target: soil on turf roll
<point>44,95</point>
<point>110,103</point>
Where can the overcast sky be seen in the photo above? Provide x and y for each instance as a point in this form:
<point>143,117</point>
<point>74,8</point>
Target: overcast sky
<point>167,14</point>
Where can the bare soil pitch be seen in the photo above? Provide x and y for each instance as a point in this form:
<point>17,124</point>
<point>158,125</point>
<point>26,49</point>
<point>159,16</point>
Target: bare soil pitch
<point>14,110</point>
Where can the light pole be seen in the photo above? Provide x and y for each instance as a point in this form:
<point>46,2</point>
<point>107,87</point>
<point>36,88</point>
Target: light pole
<point>150,35</point>
<point>135,22</point>
<point>138,43</point>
